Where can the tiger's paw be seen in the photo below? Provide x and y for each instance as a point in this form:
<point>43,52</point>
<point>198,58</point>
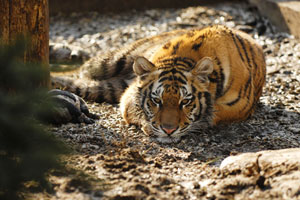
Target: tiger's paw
<point>69,107</point>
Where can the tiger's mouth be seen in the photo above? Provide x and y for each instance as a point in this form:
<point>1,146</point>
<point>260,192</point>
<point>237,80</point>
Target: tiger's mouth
<point>162,137</point>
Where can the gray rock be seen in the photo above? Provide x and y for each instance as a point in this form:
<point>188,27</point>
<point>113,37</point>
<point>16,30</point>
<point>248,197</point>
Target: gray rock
<point>59,52</point>
<point>269,173</point>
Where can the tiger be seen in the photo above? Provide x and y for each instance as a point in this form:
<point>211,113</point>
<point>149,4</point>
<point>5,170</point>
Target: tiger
<point>177,82</point>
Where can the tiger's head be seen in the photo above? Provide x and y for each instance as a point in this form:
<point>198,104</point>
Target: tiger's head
<point>174,96</point>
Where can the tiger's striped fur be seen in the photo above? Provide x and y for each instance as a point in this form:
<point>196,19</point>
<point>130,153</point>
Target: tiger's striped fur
<point>182,80</point>
<point>104,78</point>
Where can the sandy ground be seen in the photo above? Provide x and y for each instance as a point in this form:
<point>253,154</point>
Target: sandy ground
<point>114,161</point>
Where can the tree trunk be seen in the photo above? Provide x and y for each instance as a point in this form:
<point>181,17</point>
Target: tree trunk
<point>29,18</point>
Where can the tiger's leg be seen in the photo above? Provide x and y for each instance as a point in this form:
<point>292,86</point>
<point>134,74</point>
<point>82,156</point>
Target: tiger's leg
<point>68,107</point>
<point>224,113</point>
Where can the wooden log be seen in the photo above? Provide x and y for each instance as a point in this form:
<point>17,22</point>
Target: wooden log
<point>30,19</point>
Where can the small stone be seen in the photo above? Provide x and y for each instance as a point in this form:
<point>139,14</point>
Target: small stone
<point>59,52</point>
<point>295,130</point>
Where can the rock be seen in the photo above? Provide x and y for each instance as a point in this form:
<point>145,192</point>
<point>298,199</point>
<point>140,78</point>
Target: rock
<point>284,14</point>
<point>269,173</point>
<point>59,52</point>
<point>66,53</point>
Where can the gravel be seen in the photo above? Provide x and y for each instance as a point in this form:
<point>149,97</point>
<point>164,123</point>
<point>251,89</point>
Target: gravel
<point>124,162</point>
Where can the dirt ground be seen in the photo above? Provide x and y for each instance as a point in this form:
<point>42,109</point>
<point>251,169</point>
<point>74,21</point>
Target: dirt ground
<point>114,161</point>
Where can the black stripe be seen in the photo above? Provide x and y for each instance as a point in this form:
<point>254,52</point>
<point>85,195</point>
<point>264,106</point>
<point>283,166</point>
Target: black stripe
<point>104,68</point>
<point>175,48</point>
<point>251,108</point>
<point>190,62</point>
<point>167,45</point>
<point>100,98</point>
<point>237,46</point>
<point>140,90</point>
<point>123,84</point>
<point>200,105</point>
<point>193,89</point>
<point>220,83</point>
<point>250,90</point>
<point>247,93</point>
<point>174,61</point>
<point>183,65</point>
<point>248,99</point>
<point>200,37</point>
<point>173,71</point>
<point>120,65</point>
<point>150,87</point>
<point>111,90</point>
<point>217,78</point>
<point>179,79</point>
<point>172,78</point>
<point>57,92</point>
<point>236,100</point>
<point>77,91</point>
<point>244,48</point>
<point>196,46</point>
<point>87,93</point>
<point>254,63</point>
<point>253,57</point>
<point>145,95</point>
<point>159,86</point>
<point>144,99</point>
<point>213,77</point>
<point>207,97</point>
<point>218,61</point>
<point>163,73</point>
<point>247,83</point>
<point>165,78</point>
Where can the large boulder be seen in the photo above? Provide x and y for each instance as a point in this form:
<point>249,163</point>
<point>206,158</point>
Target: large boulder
<point>284,14</point>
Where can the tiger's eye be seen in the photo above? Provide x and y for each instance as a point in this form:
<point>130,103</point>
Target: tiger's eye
<point>185,101</point>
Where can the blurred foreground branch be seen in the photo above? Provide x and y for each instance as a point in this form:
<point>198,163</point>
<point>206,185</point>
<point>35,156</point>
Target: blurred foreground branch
<point>27,151</point>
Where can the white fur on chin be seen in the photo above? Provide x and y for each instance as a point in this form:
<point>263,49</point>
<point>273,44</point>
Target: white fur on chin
<point>168,140</point>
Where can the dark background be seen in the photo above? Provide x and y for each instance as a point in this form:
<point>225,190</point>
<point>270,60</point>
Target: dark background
<point>68,6</point>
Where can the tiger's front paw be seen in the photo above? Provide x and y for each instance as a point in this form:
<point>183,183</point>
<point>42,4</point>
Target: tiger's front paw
<point>69,107</point>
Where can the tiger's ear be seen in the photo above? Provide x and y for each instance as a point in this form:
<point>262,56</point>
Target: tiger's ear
<point>141,66</point>
<point>203,67</point>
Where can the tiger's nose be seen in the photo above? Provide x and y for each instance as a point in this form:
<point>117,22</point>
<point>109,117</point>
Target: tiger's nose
<point>168,128</point>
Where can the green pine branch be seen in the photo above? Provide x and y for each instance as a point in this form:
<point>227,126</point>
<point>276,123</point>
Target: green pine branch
<point>27,150</point>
